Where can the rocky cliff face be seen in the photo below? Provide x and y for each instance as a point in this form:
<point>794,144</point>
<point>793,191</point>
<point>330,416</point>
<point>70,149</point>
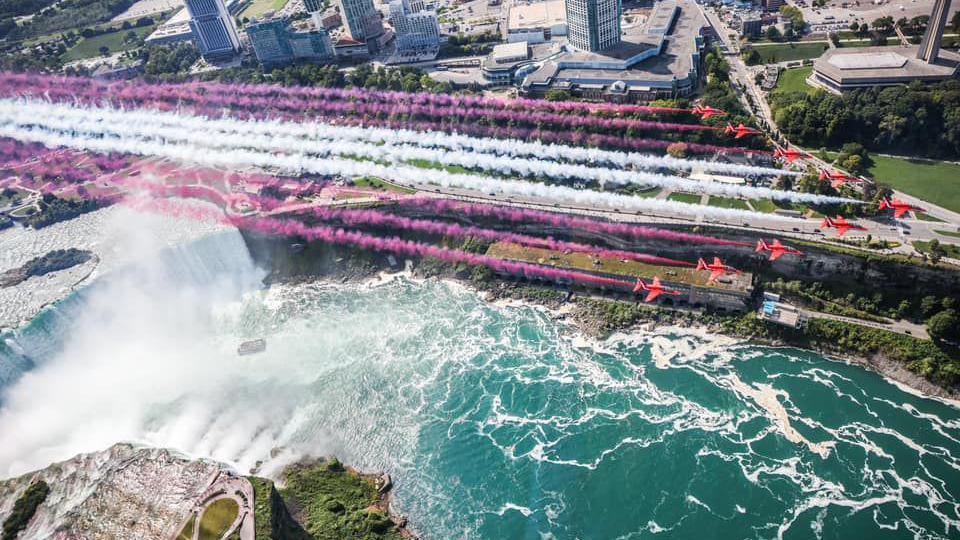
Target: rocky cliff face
<point>124,492</point>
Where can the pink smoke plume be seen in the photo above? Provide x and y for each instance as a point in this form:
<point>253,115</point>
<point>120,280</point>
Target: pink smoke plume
<point>356,107</point>
<point>396,246</point>
<point>522,215</point>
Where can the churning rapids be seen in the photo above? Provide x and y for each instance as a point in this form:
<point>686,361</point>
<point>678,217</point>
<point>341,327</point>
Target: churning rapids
<point>496,421</point>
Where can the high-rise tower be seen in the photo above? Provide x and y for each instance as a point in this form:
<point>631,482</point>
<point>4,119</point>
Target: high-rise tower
<point>593,25</point>
<point>213,29</point>
<point>930,46</point>
<point>362,19</point>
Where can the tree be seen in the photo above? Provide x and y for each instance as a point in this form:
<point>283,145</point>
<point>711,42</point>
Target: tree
<point>104,50</point>
<point>855,27</point>
<point>795,16</point>
<point>752,57</point>
<point>955,21</point>
<point>677,149</point>
<point>928,304</point>
<point>773,33</point>
<point>557,95</point>
<point>944,326</point>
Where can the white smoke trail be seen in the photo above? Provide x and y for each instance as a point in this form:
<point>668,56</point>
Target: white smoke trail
<point>411,176</point>
<point>194,130</point>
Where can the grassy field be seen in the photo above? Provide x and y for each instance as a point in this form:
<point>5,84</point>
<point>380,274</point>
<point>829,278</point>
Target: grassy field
<point>930,181</point>
<point>90,47</point>
<point>187,532</point>
<point>927,217</point>
<point>788,52</point>
<point>866,43</point>
<point>952,234</point>
<point>376,183</point>
<point>727,202</point>
<point>217,518</point>
<point>794,80</point>
<point>258,7</point>
<point>763,205</point>
<point>691,198</point>
<point>951,250</point>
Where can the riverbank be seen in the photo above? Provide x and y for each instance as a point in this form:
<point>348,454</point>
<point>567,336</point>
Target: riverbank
<point>898,358</point>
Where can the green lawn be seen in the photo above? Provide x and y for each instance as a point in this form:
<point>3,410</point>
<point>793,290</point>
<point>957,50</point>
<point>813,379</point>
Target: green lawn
<point>691,198</point>
<point>727,202</point>
<point>764,205</point>
<point>788,52</point>
<point>794,80</point>
<point>217,518</point>
<point>927,217</point>
<point>376,183</point>
<point>866,43</point>
<point>187,532</point>
<point>258,7</point>
<point>90,47</point>
<point>951,250</point>
<point>952,234</point>
<point>930,181</point>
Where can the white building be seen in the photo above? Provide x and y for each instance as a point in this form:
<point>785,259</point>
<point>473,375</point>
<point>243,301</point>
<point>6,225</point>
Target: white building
<point>213,29</point>
<point>536,22</point>
<point>415,30</point>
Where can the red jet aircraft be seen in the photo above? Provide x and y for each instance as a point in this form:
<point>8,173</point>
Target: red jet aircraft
<point>707,112</point>
<point>653,290</point>
<point>838,178</point>
<point>776,249</point>
<point>899,207</point>
<point>740,131</point>
<point>789,155</point>
<point>840,224</point>
<point>717,268</point>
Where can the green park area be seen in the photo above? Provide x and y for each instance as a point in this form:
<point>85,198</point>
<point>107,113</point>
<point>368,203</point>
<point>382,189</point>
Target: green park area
<point>691,198</point>
<point>788,52</point>
<point>928,180</point>
<point>950,250</point>
<point>217,518</point>
<point>257,8</point>
<point>794,80</point>
<point>377,183</point>
<point>728,202</point>
<point>119,41</point>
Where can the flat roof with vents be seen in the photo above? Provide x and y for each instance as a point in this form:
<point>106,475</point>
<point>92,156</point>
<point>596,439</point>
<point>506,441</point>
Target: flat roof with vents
<point>883,60</point>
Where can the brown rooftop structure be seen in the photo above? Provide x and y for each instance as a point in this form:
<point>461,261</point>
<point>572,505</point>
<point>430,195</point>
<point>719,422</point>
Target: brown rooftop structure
<point>730,292</point>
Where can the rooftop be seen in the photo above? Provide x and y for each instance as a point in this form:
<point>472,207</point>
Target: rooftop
<point>537,15</point>
<point>620,268</point>
<point>881,63</point>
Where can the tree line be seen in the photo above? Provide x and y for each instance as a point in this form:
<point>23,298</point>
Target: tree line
<point>914,120</point>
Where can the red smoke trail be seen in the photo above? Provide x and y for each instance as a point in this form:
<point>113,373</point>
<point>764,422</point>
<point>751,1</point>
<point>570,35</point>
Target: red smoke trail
<point>520,215</point>
<point>356,95</point>
<point>381,219</point>
<point>397,246</point>
<point>212,100</point>
<point>303,109</point>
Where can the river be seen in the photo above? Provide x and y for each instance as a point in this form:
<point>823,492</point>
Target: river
<point>495,421</point>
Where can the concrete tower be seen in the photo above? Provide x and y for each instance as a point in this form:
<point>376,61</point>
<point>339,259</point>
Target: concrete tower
<point>930,46</point>
<point>362,19</point>
<point>593,25</point>
<point>213,29</point>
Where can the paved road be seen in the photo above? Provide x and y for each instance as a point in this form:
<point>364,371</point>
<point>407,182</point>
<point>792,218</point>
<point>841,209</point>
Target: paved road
<point>899,327</point>
<point>903,232</point>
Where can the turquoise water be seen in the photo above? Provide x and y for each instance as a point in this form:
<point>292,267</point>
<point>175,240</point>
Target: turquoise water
<point>498,422</point>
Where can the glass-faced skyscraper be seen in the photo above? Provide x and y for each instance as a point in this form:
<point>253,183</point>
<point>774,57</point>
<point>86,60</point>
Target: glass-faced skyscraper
<point>213,29</point>
<point>593,25</point>
<point>361,19</point>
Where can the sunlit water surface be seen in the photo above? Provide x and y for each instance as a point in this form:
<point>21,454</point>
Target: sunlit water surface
<point>495,422</point>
